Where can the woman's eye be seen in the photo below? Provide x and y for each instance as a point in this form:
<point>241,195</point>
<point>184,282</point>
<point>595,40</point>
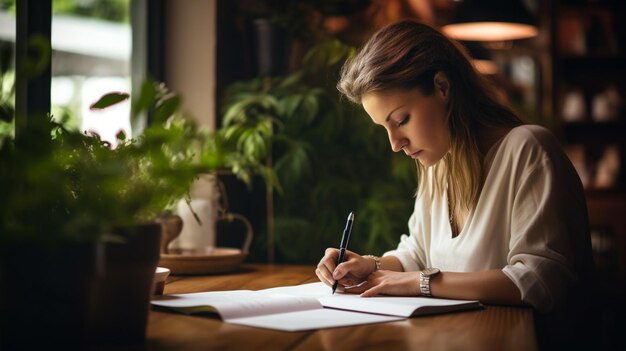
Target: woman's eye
<point>403,121</point>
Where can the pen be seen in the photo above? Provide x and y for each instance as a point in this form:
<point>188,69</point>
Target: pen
<point>344,243</point>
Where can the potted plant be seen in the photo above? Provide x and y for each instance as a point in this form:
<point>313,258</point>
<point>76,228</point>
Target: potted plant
<point>79,230</point>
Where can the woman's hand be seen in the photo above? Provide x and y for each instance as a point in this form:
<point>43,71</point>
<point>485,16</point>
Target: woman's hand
<point>389,283</point>
<point>354,270</point>
<point>358,275</point>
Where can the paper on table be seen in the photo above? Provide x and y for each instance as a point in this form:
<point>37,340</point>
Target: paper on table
<point>387,305</point>
<point>236,303</point>
<point>273,309</point>
<point>313,319</point>
<point>301,307</point>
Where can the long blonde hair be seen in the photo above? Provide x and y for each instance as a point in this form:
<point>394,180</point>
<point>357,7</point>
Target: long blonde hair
<point>407,55</point>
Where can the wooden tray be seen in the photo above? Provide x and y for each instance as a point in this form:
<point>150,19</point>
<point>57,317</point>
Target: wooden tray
<point>217,260</point>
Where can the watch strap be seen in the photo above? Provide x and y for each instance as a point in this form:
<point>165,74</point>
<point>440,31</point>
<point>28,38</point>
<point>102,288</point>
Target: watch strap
<point>425,281</point>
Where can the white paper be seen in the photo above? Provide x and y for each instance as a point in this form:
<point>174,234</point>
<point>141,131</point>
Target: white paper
<point>394,306</point>
<point>312,319</point>
<point>388,305</point>
<point>238,303</point>
<point>307,306</point>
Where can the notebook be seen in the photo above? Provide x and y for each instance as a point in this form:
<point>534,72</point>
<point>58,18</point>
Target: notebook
<point>305,307</point>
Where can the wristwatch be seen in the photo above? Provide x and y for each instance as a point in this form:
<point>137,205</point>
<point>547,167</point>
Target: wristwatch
<point>425,280</point>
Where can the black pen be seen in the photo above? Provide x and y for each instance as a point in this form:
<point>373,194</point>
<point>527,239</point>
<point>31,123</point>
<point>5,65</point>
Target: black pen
<point>344,243</point>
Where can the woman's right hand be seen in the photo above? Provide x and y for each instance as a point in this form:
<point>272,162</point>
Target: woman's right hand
<point>354,270</point>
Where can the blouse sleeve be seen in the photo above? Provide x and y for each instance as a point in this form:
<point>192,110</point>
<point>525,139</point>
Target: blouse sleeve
<point>539,260</point>
<point>410,251</point>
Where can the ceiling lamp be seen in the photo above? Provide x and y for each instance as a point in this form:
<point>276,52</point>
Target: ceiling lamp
<point>491,20</point>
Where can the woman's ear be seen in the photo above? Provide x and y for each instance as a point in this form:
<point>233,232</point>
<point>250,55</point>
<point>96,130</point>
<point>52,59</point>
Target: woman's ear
<point>442,86</point>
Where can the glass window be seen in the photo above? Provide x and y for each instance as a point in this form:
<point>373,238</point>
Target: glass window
<point>7,65</point>
<point>91,56</point>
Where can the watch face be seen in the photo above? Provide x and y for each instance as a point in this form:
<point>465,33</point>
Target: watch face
<point>430,271</point>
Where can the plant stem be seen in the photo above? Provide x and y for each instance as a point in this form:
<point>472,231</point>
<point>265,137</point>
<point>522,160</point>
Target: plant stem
<point>269,199</point>
<point>269,194</point>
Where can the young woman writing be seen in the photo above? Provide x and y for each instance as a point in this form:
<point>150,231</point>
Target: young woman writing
<point>500,213</point>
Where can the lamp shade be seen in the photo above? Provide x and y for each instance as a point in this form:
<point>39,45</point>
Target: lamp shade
<point>491,20</point>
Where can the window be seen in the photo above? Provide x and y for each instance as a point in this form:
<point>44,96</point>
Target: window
<point>91,56</point>
<point>7,65</point>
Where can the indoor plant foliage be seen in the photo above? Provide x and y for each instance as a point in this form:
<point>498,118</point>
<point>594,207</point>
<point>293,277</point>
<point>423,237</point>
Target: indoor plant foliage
<point>81,187</point>
<point>84,186</point>
<point>328,156</point>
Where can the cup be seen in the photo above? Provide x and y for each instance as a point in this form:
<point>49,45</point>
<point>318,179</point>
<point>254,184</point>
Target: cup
<point>160,275</point>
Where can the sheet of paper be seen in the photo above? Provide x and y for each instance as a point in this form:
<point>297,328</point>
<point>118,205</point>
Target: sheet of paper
<point>312,319</point>
<point>305,307</point>
<point>394,306</point>
<point>388,305</point>
<point>238,303</point>
<point>305,290</point>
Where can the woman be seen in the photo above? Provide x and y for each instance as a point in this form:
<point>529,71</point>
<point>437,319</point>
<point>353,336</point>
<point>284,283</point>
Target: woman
<point>500,213</point>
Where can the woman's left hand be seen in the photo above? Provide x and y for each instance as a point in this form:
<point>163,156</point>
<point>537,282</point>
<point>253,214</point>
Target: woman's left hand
<point>388,283</point>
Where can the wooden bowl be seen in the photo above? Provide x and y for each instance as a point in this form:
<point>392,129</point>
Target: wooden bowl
<point>206,261</point>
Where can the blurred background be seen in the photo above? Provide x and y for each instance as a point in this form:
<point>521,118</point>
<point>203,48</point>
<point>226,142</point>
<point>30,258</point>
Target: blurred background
<point>560,63</point>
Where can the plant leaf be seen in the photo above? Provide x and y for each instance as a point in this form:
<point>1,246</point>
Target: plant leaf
<point>7,113</point>
<point>108,100</point>
<point>121,135</point>
<point>167,108</point>
<point>145,99</point>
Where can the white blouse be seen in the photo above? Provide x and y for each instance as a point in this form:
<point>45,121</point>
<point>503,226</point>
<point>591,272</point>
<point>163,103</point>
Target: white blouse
<point>530,221</point>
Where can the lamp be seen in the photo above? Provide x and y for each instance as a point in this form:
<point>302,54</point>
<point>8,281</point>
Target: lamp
<point>491,20</point>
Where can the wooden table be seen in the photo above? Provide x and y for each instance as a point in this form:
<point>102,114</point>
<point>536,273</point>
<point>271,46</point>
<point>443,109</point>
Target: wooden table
<point>493,328</point>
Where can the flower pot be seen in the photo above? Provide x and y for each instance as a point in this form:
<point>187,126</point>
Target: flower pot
<point>77,294</point>
<point>121,286</point>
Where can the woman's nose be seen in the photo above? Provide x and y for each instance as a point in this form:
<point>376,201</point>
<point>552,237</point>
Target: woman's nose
<point>397,141</point>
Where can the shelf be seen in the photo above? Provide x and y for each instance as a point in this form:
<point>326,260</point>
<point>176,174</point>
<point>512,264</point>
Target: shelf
<point>595,132</point>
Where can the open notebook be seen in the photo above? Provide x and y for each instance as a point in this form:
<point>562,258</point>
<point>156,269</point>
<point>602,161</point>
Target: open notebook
<point>305,307</point>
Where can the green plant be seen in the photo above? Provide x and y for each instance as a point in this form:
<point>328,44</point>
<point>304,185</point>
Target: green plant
<point>60,184</point>
<point>352,169</point>
<point>328,156</point>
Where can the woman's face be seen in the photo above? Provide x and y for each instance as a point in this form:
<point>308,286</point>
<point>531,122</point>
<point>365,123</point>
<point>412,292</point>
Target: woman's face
<point>415,123</point>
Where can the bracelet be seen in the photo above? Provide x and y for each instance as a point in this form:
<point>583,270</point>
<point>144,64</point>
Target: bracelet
<point>376,260</point>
